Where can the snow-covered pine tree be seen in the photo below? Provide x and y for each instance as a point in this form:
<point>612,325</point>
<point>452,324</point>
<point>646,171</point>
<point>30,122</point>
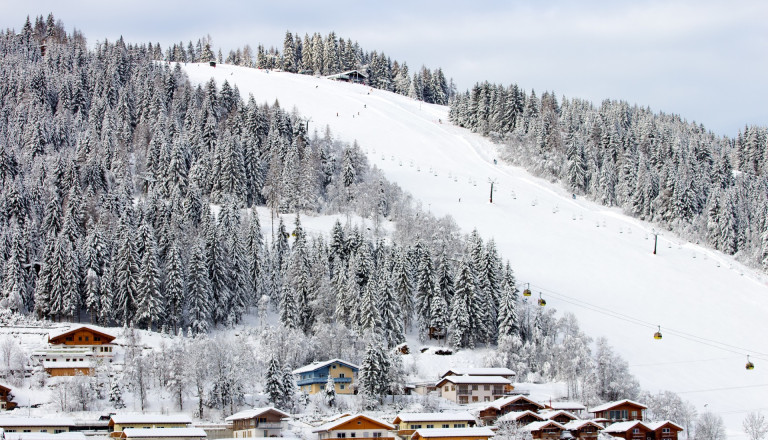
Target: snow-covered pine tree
<point>199,291</point>
<point>462,326</point>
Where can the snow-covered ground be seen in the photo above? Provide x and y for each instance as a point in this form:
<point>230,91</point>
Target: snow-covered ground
<point>582,257</point>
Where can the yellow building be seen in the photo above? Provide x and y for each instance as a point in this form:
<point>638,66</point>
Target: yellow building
<point>312,378</point>
<point>119,422</point>
<point>482,433</point>
<point>408,423</point>
<point>35,424</point>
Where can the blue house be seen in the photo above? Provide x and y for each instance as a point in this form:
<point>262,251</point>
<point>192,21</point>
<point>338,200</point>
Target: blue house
<point>313,377</point>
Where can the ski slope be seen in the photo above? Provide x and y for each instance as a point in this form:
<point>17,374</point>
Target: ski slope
<point>582,257</point>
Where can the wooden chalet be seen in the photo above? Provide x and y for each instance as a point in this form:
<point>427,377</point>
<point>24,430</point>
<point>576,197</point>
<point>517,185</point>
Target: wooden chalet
<point>520,418</point>
<point>664,430</point>
<point>506,405</point>
<point>583,429</point>
<point>545,430</point>
<point>357,426</point>
<point>560,416</point>
<point>75,351</point>
<point>478,433</point>
<point>407,423</point>
<point>6,398</point>
<point>503,372</point>
<point>353,76</point>
<point>622,410</point>
<point>258,422</point>
<point>630,430</point>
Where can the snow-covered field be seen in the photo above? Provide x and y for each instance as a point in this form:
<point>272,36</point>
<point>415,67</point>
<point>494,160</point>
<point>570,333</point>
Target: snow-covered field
<point>582,257</point>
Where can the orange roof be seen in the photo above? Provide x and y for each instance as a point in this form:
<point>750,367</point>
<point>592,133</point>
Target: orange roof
<point>60,338</point>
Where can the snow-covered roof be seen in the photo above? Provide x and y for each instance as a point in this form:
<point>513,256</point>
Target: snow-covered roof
<point>624,426</point>
<point>317,365</point>
<point>63,331</point>
<point>60,365</point>
<point>455,432</point>
<point>251,413</point>
<point>490,371</point>
<point>131,419</point>
<point>7,422</point>
<point>609,405</point>
<point>342,420</point>
<point>578,424</point>
<point>475,380</point>
<point>44,436</point>
<point>434,417</point>
<point>656,425</point>
<point>164,432</point>
<point>517,415</point>
<point>536,426</point>
<point>504,401</point>
<point>568,406</point>
<point>551,414</point>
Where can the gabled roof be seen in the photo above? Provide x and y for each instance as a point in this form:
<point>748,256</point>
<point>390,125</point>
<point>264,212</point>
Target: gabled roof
<point>517,415</point>
<point>491,371</point>
<point>625,426</point>
<point>131,419</point>
<point>568,406</point>
<point>434,417</point>
<point>318,365</point>
<point>3,387</point>
<point>460,380</point>
<point>504,401</point>
<point>657,425</point>
<point>342,420</point>
<point>578,424</point>
<point>252,413</point>
<point>537,426</point>
<point>610,405</point>
<point>453,432</point>
<point>163,432</point>
<point>551,414</point>
<point>61,334</point>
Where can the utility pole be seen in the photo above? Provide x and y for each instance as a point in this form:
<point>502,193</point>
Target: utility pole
<point>491,181</point>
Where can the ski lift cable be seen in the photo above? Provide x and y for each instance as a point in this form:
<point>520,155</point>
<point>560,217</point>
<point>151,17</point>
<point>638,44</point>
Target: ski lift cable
<point>618,315</point>
<point>724,389</point>
<point>692,361</point>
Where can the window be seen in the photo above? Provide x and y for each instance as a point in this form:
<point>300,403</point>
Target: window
<point>352,434</point>
<point>79,338</point>
<point>487,399</point>
<point>415,426</point>
<point>376,435</point>
<point>447,388</point>
<point>474,387</point>
<point>341,375</point>
<point>70,338</point>
<point>430,426</point>
<point>58,431</point>
<point>617,414</point>
<point>341,387</point>
<point>97,338</point>
<point>636,431</point>
<point>474,398</point>
<point>333,366</point>
<point>453,387</point>
<point>27,430</point>
<point>43,430</point>
<point>486,387</point>
<point>458,425</point>
<point>665,430</point>
<point>445,425</point>
<point>341,434</point>
<point>86,339</point>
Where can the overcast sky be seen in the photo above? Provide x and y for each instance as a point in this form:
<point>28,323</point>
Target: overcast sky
<point>704,60</point>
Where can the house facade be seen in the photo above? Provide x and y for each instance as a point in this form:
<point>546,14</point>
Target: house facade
<point>664,430</point>
<point>258,422</point>
<point>6,398</point>
<point>630,430</point>
<point>520,418</point>
<point>545,430</point>
<point>358,426</point>
<point>622,410</point>
<point>407,423</point>
<point>490,371</point>
<point>468,389</point>
<point>75,351</point>
<point>312,378</point>
<point>506,405</point>
<point>478,433</point>
<point>36,425</point>
<point>583,429</point>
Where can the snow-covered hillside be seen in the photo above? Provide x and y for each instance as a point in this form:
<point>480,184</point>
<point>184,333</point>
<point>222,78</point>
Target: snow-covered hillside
<point>582,257</point>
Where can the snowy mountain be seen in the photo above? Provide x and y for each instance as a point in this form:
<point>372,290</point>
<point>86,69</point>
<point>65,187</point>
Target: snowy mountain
<point>579,256</point>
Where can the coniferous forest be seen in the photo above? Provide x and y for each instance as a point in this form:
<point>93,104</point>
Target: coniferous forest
<point>657,167</point>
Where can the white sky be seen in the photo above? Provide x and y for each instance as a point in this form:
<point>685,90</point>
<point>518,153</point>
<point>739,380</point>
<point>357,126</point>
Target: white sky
<point>704,60</point>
